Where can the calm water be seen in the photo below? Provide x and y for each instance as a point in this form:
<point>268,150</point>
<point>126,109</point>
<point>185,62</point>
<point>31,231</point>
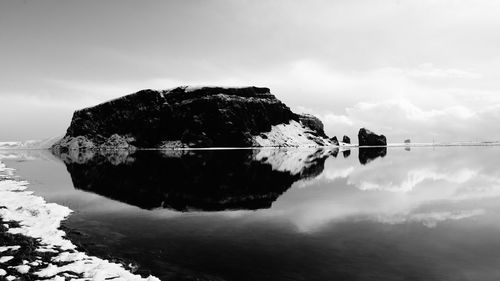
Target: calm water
<point>395,214</point>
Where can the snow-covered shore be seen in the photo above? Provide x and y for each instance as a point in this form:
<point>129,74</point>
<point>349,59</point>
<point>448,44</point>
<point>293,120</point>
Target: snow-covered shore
<point>24,214</point>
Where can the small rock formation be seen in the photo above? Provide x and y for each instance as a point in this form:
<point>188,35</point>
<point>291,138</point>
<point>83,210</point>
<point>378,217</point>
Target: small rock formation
<point>408,141</point>
<point>334,140</point>
<point>346,139</point>
<point>192,117</point>
<point>368,138</point>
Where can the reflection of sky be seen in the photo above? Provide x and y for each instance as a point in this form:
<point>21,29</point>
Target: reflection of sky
<point>425,186</point>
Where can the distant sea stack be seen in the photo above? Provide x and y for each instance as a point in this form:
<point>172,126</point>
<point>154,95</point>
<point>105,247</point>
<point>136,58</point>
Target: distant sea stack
<point>368,138</point>
<point>192,117</point>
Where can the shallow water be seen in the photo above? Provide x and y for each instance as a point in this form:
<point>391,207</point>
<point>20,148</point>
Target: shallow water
<point>396,214</point>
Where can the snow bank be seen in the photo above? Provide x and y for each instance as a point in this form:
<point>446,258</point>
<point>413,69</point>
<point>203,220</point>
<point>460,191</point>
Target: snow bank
<point>41,220</point>
<point>293,134</point>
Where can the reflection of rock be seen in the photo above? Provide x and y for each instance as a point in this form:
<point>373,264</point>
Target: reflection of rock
<point>192,117</point>
<point>346,139</point>
<point>205,180</point>
<point>368,138</point>
<point>367,154</point>
<point>346,153</point>
<point>295,161</point>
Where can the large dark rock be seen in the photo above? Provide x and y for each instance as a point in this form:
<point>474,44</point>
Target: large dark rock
<point>368,138</point>
<point>187,117</point>
<point>346,139</point>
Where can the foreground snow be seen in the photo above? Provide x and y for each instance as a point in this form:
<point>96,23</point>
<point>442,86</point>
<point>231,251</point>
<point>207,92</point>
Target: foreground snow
<point>41,220</point>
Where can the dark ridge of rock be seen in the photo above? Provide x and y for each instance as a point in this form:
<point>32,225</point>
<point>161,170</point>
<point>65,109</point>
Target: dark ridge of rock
<point>346,139</point>
<point>203,180</point>
<point>334,140</point>
<point>182,117</point>
<point>368,154</point>
<point>313,123</point>
<point>368,138</point>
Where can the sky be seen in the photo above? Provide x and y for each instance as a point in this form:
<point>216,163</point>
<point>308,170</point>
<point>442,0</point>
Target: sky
<point>424,70</point>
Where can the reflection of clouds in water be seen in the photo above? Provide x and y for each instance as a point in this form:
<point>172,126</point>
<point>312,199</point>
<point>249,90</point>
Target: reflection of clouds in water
<point>405,187</point>
<point>330,175</point>
<point>431,219</point>
<point>383,181</point>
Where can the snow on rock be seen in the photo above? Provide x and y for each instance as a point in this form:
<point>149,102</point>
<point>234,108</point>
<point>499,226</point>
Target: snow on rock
<point>23,269</point>
<point>3,272</point>
<point>41,220</point>
<point>9,248</point>
<point>5,259</point>
<point>293,134</point>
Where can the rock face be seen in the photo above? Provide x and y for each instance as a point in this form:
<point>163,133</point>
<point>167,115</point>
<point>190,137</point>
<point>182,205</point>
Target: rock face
<point>192,117</point>
<point>334,140</point>
<point>346,139</point>
<point>368,138</point>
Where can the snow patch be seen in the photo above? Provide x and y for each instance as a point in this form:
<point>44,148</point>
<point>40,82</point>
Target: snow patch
<point>41,220</point>
<point>9,248</point>
<point>5,259</point>
<point>293,134</point>
<point>23,269</point>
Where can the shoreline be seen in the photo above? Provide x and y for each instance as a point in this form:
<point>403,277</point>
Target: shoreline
<point>35,246</point>
<point>343,146</point>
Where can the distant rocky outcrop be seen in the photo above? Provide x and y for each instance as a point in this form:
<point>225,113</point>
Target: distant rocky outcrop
<point>192,117</point>
<point>368,138</point>
<point>346,139</point>
<point>334,140</point>
<point>407,141</point>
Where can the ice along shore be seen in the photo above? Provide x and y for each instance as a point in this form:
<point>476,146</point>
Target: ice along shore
<point>32,245</point>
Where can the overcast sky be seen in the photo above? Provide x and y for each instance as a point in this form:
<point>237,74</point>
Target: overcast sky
<point>409,69</point>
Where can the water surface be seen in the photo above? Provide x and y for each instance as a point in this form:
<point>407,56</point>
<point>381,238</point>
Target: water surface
<point>369,214</point>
